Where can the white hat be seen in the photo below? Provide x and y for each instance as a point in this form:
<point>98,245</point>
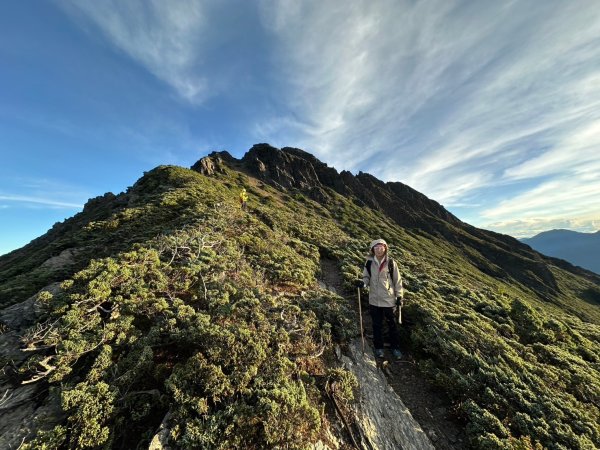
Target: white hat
<point>377,241</point>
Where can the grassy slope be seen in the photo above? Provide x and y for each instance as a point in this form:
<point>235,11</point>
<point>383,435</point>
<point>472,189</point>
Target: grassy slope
<point>520,370</point>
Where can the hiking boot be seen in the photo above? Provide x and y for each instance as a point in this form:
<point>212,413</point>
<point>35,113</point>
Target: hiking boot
<point>397,353</point>
<point>379,353</point>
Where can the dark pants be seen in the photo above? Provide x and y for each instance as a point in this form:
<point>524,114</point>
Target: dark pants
<point>378,313</point>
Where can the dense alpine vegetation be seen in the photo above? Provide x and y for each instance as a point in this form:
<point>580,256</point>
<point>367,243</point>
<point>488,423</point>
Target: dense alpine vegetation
<point>177,307</point>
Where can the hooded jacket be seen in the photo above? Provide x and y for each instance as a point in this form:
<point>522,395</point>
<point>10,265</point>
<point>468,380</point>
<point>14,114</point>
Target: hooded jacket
<point>382,290</point>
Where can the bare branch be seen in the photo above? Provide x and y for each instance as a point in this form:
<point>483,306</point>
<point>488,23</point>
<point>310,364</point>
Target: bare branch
<point>6,397</point>
<point>40,375</point>
<point>38,333</point>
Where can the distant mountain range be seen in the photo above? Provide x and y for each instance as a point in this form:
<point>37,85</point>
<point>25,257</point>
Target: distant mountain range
<point>580,249</point>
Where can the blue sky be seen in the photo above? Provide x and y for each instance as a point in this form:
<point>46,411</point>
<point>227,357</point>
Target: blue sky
<point>490,108</point>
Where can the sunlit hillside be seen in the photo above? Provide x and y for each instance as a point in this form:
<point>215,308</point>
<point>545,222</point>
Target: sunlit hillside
<point>177,306</point>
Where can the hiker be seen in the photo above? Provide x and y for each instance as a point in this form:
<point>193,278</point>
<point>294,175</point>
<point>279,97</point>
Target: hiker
<point>382,277</point>
<point>243,199</point>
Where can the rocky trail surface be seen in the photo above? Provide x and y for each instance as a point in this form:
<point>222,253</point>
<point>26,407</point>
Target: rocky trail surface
<point>427,405</point>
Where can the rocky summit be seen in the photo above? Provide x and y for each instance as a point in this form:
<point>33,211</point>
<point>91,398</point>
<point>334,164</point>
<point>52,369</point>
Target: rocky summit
<point>168,316</point>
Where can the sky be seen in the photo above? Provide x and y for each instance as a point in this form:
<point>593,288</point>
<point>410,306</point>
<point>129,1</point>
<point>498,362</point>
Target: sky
<point>491,108</point>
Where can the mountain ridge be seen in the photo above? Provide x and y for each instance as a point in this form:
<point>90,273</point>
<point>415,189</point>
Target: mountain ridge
<point>291,168</point>
<point>176,309</point>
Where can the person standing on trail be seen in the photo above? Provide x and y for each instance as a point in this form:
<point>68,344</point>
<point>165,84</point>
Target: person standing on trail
<point>244,199</point>
<point>381,276</point>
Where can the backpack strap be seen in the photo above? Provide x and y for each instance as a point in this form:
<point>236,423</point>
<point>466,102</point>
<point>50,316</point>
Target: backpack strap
<point>390,267</point>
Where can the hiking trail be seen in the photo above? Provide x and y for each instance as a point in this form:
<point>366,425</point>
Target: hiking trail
<point>427,404</point>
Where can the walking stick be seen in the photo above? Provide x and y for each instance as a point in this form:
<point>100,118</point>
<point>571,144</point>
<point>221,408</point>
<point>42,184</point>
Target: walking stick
<point>362,335</point>
<point>400,305</point>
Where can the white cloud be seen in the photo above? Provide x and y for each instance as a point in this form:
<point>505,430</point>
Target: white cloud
<point>323,50</point>
<point>276,15</point>
<point>579,149</point>
<point>40,192</point>
<point>164,37</point>
<point>454,98</point>
<point>567,202</point>
<point>40,201</point>
<point>449,97</point>
<point>522,228</point>
<point>556,198</point>
<point>363,73</point>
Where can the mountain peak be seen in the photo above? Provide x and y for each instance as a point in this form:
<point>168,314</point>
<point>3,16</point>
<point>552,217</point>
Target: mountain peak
<point>294,168</point>
<point>288,168</point>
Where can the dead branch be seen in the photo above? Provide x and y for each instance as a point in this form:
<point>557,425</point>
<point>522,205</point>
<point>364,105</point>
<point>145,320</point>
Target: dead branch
<point>40,375</point>
<point>331,394</point>
<point>5,397</point>
<point>38,334</point>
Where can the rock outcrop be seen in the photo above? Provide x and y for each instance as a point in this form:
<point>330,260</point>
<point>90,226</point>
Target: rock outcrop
<point>385,423</point>
<point>21,412</point>
<point>213,163</point>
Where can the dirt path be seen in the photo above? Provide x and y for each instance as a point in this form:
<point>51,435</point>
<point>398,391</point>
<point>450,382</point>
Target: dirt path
<point>427,404</point>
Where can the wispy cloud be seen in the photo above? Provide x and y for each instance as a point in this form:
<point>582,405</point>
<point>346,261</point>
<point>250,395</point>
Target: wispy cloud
<point>164,37</point>
<point>449,97</point>
<point>40,192</point>
<point>491,107</point>
<point>530,227</point>
<point>556,198</point>
<point>39,201</point>
<point>575,153</point>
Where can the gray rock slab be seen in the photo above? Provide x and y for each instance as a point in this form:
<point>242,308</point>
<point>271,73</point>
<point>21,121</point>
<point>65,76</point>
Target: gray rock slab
<point>384,421</point>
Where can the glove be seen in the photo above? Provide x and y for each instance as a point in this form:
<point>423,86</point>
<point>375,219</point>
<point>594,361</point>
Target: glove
<point>399,301</point>
<point>359,284</point>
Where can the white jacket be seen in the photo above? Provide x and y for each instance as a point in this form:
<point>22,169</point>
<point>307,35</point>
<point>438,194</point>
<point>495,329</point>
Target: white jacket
<point>382,290</point>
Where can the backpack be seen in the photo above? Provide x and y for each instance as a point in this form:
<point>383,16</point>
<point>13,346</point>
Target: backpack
<point>391,265</point>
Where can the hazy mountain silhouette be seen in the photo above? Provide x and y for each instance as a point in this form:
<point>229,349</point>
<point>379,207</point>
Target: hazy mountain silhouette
<point>580,249</point>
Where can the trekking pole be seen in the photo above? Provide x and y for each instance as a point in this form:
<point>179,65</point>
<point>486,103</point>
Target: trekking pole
<point>400,305</point>
<point>362,335</point>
